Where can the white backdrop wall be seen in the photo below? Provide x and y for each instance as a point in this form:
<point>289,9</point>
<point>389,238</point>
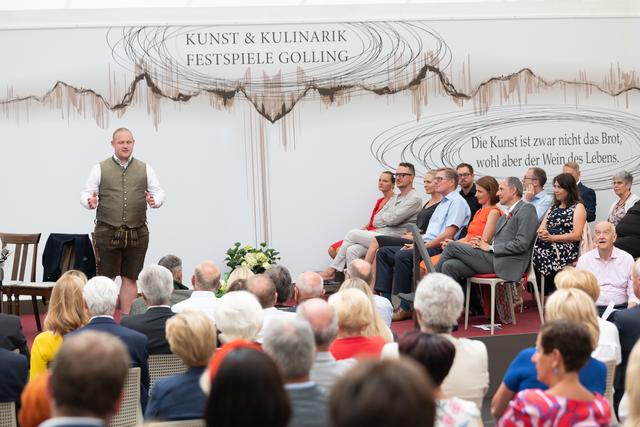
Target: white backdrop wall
<point>302,181</point>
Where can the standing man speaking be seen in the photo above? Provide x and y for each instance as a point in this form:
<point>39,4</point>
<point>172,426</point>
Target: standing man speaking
<point>121,187</point>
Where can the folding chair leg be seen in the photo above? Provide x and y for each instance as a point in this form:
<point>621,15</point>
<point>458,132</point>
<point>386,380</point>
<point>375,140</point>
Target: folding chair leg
<point>538,300</point>
<point>36,313</point>
<point>466,306</point>
<point>493,306</point>
<point>510,297</point>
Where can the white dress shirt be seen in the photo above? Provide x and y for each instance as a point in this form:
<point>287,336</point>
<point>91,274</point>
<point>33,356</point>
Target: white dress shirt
<point>608,343</point>
<point>271,313</point>
<point>93,184</point>
<point>204,301</point>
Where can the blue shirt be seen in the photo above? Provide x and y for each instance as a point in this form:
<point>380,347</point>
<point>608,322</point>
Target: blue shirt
<point>522,374</point>
<point>542,202</point>
<point>452,210</point>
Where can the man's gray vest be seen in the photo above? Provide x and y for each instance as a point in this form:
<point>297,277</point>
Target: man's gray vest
<point>121,192</point>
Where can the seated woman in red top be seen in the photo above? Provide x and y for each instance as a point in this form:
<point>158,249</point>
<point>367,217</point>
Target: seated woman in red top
<point>562,348</point>
<point>386,182</point>
<point>355,314</point>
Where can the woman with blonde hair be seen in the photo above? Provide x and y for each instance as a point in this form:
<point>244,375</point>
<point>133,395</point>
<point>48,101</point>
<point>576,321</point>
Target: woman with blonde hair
<point>608,347</point>
<point>66,314</point>
<point>377,327</point>
<point>564,304</point>
<point>629,410</point>
<point>192,337</point>
<point>355,315</point>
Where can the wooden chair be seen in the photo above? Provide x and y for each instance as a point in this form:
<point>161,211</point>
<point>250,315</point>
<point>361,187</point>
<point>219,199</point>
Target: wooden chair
<point>18,286</point>
<point>8,414</point>
<point>182,423</point>
<point>130,412</point>
<point>164,365</point>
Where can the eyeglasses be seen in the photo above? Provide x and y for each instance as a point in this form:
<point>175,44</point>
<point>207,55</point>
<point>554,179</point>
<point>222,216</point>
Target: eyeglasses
<point>402,175</point>
<point>463,175</point>
<point>526,178</point>
<point>438,178</point>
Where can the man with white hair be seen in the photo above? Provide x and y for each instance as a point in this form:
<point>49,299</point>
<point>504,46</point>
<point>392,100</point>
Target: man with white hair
<point>156,285</point>
<point>100,297</point>
<point>438,305</point>
<point>265,290</point>
<point>324,324</point>
<point>309,285</point>
<point>628,324</point>
<point>239,315</point>
<point>205,281</point>
<point>612,267</point>
<point>290,344</point>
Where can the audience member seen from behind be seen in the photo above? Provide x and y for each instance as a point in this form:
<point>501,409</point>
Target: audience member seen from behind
<point>309,285</point>
<point>436,353</point>
<point>561,230</point>
<point>622,182</point>
<point>14,371</point>
<point>282,281</point>
<point>382,393</point>
<point>156,284</point>
<point>438,304</point>
<point>629,409</point>
<point>355,315</point>
<point>238,316</point>
<point>386,182</point>
<point>608,347</point>
<point>324,324</point>
<point>192,337</point>
<point>265,290</point>
<point>247,391</point>
<point>378,327</point>
<point>87,380</point>
<point>562,349</point>
<point>66,313</point>
<point>361,269</point>
<point>564,304</point>
<point>291,344</point>
<point>205,281</point>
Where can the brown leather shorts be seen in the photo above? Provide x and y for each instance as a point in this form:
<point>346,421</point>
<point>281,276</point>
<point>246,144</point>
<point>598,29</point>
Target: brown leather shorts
<point>115,258</point>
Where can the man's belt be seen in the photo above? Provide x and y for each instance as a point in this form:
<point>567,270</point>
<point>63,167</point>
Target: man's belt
<point>123,236</point>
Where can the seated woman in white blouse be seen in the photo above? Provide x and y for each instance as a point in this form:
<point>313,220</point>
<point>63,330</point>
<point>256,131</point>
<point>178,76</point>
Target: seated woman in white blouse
<point>622,182</point>
<point>608,341</point>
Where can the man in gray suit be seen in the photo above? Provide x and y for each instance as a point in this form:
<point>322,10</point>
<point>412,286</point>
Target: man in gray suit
<point>290,343</point>
<point>509,254</point>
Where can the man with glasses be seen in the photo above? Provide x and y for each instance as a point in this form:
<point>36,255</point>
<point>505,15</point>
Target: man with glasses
<point>467,186</point>
<point>533,181</point>
<point>394,264</point>
<point>392,220</point>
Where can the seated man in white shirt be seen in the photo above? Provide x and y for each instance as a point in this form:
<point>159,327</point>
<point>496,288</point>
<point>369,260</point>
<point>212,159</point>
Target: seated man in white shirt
<point>205,281</point>
<point>265,290</point>
<point>438,305</point>
<point>612,267</point>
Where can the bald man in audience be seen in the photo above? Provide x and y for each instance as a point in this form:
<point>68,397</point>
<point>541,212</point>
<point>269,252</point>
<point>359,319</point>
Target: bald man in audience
<point>612,267</point>
<point>205,281</point>
<point>324,324</point>
<point>361,269</point>
<point>265,290</point>
<point>309,285</point>
<point>87,380</point>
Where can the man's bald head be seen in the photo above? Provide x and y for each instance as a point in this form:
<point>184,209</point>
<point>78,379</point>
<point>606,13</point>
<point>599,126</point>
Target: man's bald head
<point>206,277</point>
<point>359,269</point>
<point>309,285</point>
<point>264,289</point>
<point>605,234</point>
<point>323,320</point>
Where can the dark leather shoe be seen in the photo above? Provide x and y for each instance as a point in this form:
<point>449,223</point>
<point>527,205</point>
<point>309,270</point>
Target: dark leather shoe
<point>401,314</point>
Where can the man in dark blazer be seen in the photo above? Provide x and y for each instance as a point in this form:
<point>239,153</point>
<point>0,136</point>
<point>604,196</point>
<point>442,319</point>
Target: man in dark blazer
<point>587,194</point>
<point>509,254</point>
<point>14,371</point>
<point>11,335</point>
<point>628,323</point>
<point>156,284</point>
<point>100,297</point>
<point>87,380</point>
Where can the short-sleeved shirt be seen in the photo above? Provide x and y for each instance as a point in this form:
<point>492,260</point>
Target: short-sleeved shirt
<point>452,210</point>
<point>522,374</point>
